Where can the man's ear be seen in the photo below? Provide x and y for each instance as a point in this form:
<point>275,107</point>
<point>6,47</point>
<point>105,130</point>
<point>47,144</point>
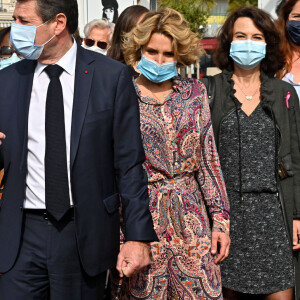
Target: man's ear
<point>61,23</point>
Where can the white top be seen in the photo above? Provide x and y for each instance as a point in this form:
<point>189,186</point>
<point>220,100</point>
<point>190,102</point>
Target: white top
<point>289,77</point>
<point>35,180</point>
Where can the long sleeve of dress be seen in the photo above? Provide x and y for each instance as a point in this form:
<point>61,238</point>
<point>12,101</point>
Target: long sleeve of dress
<point>210,176</point>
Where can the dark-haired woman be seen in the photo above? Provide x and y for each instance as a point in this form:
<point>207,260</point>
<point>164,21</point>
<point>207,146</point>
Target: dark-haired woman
<point>255,119</point>
<point>288,25</point>
<point>128,19</point>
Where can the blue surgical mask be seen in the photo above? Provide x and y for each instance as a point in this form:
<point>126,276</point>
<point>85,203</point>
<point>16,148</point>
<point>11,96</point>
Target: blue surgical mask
<point>23,37</point>
<point>5,62</point>
<point>95,49</point>
<point>247,54</point>
<point>156,72</point>
<point>293,31</point>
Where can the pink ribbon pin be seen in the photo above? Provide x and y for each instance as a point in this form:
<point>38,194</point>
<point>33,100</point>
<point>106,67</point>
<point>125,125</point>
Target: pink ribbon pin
<point>287,98</point>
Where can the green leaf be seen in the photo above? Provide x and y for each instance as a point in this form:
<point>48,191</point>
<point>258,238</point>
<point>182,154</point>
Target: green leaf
<point>196,12</point>
<point>235,4</point>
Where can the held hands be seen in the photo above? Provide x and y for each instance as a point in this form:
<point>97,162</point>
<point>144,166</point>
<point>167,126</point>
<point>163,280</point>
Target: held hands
<point>296,235</point>
<point>2,137</point>
<point>133,256</point>
<point>224,240</point>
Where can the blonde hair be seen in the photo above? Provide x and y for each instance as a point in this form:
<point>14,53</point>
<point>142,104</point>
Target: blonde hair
<point>186,45</point>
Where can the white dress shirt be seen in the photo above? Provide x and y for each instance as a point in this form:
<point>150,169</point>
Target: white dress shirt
<point>35,180</point>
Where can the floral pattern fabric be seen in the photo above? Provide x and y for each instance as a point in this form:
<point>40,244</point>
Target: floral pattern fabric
<point>184,181</point>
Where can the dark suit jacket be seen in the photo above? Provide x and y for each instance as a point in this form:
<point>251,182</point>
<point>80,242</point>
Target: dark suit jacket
<point>105,160</point>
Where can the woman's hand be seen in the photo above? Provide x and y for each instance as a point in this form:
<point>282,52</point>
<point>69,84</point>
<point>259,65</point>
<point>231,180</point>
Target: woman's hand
<point>224,240</point>
<point>296,235</point>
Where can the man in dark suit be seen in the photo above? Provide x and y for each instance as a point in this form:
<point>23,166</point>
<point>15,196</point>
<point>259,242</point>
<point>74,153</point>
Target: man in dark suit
<point>71,149</point>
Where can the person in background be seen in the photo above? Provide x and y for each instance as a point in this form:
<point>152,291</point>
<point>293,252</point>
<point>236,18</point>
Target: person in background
<point>182,165</point>
<point>288,25</point>
<point>110,10</point>
<point>98,35</point>
<point>256,122</point>
<point>128,19</point>
<point>8,54</point>
<point>278,7</point>
<point>70,145</point>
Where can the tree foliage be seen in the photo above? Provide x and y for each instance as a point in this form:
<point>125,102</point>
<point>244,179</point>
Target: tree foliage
<point>235,4</point>
<point>196,12</point>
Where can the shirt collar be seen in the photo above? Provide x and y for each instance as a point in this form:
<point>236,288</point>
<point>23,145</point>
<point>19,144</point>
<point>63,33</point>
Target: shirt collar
<point>289,77</point>
<point>67,62</point>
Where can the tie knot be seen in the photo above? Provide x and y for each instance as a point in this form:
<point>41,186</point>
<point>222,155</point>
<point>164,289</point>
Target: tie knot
<point>54,71</point>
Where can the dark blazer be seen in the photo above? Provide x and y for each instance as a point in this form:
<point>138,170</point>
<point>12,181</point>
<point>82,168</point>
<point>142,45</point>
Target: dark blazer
<point>105,160</point>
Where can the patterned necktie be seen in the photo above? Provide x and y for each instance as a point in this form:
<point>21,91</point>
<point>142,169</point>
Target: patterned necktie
<point>56,172</point>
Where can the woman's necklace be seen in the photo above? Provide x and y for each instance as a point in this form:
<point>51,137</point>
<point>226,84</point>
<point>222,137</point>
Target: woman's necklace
<point>248,97</point>
<point>159,98</point>
<point>162,96</point>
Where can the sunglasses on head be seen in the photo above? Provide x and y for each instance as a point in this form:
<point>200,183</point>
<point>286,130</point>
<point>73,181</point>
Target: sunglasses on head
<point>90,43</point>
<point>7,51</point>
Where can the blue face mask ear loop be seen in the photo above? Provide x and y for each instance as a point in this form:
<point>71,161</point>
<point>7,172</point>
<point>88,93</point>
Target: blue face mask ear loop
<point>50,38</point>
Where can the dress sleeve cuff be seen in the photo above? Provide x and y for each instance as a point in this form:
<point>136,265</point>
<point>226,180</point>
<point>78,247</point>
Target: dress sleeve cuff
<point>221,224</point>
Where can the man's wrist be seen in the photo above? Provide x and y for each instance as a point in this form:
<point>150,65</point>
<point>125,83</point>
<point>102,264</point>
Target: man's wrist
<point>144,243</point>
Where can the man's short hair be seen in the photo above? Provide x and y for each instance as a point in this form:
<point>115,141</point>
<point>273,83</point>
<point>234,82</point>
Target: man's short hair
<point>47,10</point>
<point>100,24</point>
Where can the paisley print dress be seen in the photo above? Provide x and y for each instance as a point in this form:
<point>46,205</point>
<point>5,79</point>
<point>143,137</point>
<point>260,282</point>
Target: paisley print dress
<point>184,181</point>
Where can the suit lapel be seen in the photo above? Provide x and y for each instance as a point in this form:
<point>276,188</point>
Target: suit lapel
<point>26,72</point>
<point>83,81</point>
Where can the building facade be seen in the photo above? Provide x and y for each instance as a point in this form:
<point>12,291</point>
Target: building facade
<point>217,18</point>
<point>6,12</point>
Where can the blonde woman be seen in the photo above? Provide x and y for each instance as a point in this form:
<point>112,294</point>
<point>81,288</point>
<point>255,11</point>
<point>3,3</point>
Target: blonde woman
<point>184,176</point>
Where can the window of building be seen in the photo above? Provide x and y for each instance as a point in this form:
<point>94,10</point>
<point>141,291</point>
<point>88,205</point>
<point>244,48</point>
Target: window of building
<point>221,8</point>
<point>153,5</point>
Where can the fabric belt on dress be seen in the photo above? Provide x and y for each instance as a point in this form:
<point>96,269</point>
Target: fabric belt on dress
<point>186,179</point>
